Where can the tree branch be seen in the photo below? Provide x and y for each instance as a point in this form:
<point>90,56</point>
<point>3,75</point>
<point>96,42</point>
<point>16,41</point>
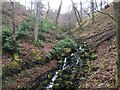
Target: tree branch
<point>107,15</point>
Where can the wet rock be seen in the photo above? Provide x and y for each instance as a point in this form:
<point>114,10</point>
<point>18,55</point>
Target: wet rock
<point>50,76</point>
<point>59,72</point>
<point>56,86</point>
<point>59,80</point>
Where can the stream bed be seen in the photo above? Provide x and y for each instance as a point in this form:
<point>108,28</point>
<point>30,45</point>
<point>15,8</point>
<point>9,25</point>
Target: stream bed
<point>71,70</point>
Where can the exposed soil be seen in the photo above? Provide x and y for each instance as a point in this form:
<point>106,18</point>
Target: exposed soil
<point>26,80</point>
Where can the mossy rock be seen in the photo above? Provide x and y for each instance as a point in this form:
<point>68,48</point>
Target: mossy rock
<point>68,83</point>
<point>82,52</point>
<point>59,80</point>
<point>59,72</point>
<point>86,50</point>
<point>33,52</point>
<point>60,62</point>
<point>56,86</point>
<point>68,71</point>
<point>50,76</point>
<point>87,55</point>
<point>72,76</point>
<point>45,82</point>
<point>38,57</point>
<point>94,56</point>
<point>67,77</point>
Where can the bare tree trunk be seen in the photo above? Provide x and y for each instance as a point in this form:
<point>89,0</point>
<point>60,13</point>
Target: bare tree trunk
<point>101,4</point>
<point>48,9</point>
<point>92,11</point>
<point>31,4</point>
<point>13,23</point>
<point>116,6</point>
<point>58,14</point>
<point>81,9</point>
<point>75,11</point>
<point>37,21</point>
<point>86,13</point>
<point>96,6</point>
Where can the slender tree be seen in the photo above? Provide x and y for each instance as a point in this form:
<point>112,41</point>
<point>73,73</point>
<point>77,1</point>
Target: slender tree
<point>76,14</point>
<point>92,11</point>
<point>101,3</point>
<point>48,9</point>
<point>58,14</point>
<point>31,5</point>
<point>38,7</point>
<point>116,6</point>
<point>81,9</point>
<point>13,22</point>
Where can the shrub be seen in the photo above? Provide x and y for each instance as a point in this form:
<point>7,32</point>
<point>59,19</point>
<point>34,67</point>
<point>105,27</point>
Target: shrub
<point>41,36</point>
<point>39,43</point>
<point>23,30</point>
<point>46,25</point>
<point>7,40</point>
<point>64,46</point>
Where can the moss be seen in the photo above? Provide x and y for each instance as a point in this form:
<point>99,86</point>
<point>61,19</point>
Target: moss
<point>59,80</point>
<point>59,72</point>
<point>33,52</point>
<point>45,82</point>
<point>60,62</point>
<point>68,83</point>
<point>94,56</point>
<point>38,57</point>
<point>16,58</point>
<point>67,50</point>
<point>50,76</point>
<point>66,76</point>
<point>56,86</point>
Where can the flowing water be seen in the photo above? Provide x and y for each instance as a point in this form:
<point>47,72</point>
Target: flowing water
<point>76,61</point>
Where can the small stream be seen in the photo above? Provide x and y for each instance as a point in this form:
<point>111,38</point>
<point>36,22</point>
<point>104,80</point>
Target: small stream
<point>65,65</point>
<point>70,71</point>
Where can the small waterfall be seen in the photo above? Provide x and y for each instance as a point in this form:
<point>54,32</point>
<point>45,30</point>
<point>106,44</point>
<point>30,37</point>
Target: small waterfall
<point>64,65</point>
<point>50,85</point>
<point>77,60</point>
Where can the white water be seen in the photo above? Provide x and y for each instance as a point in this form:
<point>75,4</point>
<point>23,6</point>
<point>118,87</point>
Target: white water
<point>64,65</point>
<point>50,85</point>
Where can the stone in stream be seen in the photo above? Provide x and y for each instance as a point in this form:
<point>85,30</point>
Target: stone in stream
<point>56,86</point>
<point>59,72</point>
<point>59,80</point>
<point>50,76</point>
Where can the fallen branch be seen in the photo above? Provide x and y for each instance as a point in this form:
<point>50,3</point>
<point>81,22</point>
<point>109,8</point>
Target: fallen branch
<point>107,15</point>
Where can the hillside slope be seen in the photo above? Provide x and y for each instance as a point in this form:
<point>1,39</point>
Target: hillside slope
<point>20,13</point>
<point>102,37</point>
